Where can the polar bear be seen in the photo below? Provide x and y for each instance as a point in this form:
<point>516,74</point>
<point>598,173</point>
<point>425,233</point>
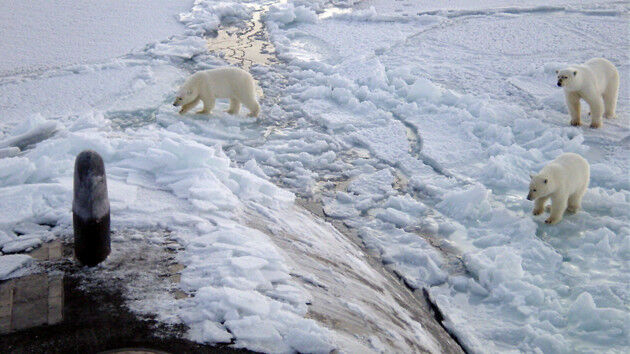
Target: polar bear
<point>597,82</point>
<point>226,82</point>
<point>564,180</point>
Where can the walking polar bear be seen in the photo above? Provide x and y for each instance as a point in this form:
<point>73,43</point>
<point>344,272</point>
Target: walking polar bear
<point>597,82</point>
<point>227,82</point>
<point>564,180</point>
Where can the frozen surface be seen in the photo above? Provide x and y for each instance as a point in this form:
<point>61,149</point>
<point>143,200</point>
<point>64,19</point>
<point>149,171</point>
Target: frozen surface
<point>455,106</point>
<point>39,35</point>
<point>30,132</point>
<point>170,172</point>
<point>10,265</point>
<point>416,124</point>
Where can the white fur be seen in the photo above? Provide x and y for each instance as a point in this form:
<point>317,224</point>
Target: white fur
<point>597,83</point>
<point>564,181</point>
<point>226,82</point>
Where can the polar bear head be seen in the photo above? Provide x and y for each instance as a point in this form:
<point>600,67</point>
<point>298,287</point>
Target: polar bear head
<point>541,185</point>
<point>569,78</point>
<point>184,96</point>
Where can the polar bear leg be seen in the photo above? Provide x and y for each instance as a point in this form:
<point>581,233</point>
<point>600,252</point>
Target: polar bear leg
<point>188,106</point>
<point>252,105</point>
<point>208,105</point>
<point>539,205</point>
<point>558,206</point>
<point>597,109</point>
<point>235,106</point>
<point>575,200</point>
<point>573,102</point>
<point>610,98</point>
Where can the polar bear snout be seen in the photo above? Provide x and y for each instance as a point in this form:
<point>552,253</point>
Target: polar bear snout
<point>529,196</point>
<point>563,78</point>
<point>178,102</point>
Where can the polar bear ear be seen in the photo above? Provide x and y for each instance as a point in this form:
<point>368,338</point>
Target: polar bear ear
<point>574,73</point>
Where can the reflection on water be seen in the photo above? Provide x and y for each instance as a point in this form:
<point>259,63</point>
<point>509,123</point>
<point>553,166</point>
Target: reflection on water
<point>248,44</point>
<point>50,251</point>
<point>38,299</point>
<point>31,301</point>
<point>245,45</point>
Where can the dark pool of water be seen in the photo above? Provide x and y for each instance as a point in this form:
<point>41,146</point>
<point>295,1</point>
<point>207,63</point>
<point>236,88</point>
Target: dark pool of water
<point>54,311</point>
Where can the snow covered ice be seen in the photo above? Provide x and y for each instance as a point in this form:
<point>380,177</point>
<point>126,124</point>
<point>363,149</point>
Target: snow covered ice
<point>415,125</point>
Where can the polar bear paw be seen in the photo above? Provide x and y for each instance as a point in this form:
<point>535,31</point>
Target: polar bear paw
<point>551,220</point>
